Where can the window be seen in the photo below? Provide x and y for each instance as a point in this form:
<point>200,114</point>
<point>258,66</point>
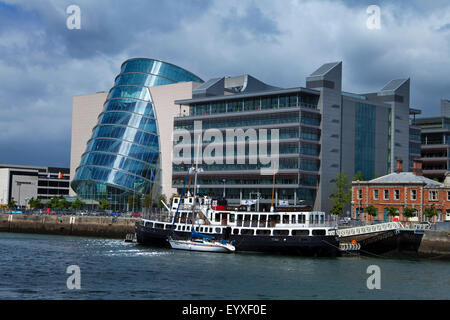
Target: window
<point>280,232</point>
<point>375,194</point>
<point>300,232</point>
<point>386,195</point>
<point>359,194</point>
<point>448,195</point>
<point>413,194</point>
<point>396,194</point>
<point>433,195</point>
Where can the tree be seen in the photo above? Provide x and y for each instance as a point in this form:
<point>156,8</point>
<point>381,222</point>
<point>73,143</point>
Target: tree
<point>409,212</point>
<point>12,204</point>
<point>430,212</point>
<point>133,202</point>
<point>104,204</point>
<point>358,176</point>
<point>53,203</point>
<point>342,195</point>
<point>371,211</point>
<point>161,197</point>
<point>35,203</point>
<point>147,201</point>
<point>63,204</point>
<point>77,204</point>
<point>392,212</point>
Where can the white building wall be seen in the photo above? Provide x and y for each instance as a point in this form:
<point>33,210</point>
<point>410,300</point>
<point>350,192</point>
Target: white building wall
<point>4,186</point>
<point>85,111</point>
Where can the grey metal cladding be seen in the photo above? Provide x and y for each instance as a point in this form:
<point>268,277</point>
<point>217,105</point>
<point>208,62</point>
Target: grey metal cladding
<point>320,84</point>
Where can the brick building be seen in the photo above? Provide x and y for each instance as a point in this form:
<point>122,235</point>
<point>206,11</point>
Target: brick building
<point>400,190</point>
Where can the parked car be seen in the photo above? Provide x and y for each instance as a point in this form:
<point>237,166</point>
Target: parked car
<point>136,215</point>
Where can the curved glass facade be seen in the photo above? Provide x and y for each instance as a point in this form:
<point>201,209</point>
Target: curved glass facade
<point>122,156</point>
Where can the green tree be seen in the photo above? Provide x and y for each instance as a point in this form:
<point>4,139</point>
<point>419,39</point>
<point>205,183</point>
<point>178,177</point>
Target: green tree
<point>430,212</point>
<point>358,176</point>
<point>35,203</point>
<point>409,212</point>
<point>371,211</point>
<point>161,197</point>
<point>77,204</point>
<point>133,202</point>
<point>12,204</point>
<point>53,203</point>
<point>342,195</point>
<point>147,201</point>
<point>104,204</point>
<point>63,204</point>
<point>392,212</point>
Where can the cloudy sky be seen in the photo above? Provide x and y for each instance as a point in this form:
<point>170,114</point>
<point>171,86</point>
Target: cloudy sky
<point>43,64</point>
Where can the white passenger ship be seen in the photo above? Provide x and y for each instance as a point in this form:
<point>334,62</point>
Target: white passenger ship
<point>286,230</point>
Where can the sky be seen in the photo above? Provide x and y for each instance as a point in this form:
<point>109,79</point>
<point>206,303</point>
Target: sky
<point>44,64</point>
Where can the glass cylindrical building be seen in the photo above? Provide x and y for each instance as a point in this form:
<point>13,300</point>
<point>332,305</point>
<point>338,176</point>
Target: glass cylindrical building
<point>122,158</point>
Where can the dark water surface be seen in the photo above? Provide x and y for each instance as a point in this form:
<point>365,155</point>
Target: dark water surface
<point>34,267</point>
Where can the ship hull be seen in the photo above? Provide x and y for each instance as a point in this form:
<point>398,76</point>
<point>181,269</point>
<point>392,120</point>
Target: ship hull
<point>323,246</point>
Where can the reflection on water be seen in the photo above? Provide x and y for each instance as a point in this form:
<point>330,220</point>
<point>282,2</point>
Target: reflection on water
<point>34,267</point>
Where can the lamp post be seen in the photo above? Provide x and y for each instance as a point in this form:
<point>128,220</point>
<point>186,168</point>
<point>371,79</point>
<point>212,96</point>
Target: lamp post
<point>223,180</point>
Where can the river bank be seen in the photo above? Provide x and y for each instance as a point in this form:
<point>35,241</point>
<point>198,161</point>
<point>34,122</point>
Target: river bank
<point>90,226</point>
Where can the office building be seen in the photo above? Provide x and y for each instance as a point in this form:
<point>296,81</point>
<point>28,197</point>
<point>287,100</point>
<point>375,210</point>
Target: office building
<point>435,133</point>
<point>22,183</point>
<point>322,130</point>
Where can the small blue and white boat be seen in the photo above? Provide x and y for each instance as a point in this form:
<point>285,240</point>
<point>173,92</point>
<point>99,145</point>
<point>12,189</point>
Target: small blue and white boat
<point>202,242</point>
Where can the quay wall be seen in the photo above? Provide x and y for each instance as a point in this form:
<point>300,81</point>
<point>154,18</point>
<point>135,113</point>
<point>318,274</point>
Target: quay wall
<point>435,243</point>
<point>91,226</point>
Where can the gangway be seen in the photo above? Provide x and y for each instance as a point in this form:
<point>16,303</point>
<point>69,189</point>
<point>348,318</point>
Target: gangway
<point>381,227</point>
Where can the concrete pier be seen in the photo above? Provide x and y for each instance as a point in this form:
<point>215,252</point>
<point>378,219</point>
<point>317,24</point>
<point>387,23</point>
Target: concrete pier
<point>106,227</point>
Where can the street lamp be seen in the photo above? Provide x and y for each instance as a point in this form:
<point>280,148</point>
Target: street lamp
<point>223,180</point>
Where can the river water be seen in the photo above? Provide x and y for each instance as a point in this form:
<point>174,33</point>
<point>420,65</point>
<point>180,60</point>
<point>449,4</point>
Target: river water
<point>35,267</point>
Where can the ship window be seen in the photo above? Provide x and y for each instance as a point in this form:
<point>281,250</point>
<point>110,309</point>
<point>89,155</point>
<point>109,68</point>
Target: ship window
<point>301,218</point>
<point>217,217</point>
<point>235,231</point>
<point>196,229</point>
<point>285,219</point>
<point>322,219</point>
<point>260,232</point>
<point>175,200</point>
<point>159,225</point>
<point>210,230</point>
<point>247,231</point>
<point>169,226</point>
<point>293,219</point>
<point>201,229</point>
<point>280,232</point>
<point>232,217</point>
<point>218,230</point>
<point>318,232</point>
<point>149,224</point>
<point>300,232</point>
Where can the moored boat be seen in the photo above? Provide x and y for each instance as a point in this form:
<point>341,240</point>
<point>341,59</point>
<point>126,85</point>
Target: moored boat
<point>295,230</point>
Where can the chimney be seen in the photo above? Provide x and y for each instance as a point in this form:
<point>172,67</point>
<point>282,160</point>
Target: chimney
<point>417,167</point>
<point>399,165</point>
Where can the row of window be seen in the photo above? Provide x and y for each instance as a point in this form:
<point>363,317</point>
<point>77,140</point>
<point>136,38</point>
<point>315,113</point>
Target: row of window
<point>239,231</point>
<point>433,195</point>
<point>259,103</point>
<point>129,119</point>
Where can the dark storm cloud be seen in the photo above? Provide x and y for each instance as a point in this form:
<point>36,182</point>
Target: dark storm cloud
<point>43,64</point>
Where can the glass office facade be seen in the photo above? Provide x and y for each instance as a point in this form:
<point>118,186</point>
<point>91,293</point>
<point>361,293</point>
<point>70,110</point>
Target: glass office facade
<point>365,139</point>
<point>122,156</point>
<point>298,120</point>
